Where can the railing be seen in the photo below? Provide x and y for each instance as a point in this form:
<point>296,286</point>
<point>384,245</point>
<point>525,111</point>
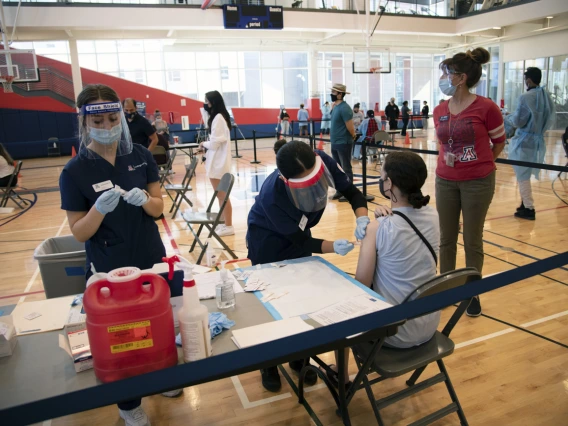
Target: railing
<point>440,8</point>
<point>52,81</point>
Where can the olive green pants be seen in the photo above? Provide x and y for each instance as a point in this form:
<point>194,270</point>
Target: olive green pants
<point>471,198</point>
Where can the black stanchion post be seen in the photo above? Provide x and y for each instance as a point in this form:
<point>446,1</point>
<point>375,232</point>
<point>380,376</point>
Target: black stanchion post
<point>364,171</point>
<point>236,143</point>
<point>255,161</point>
<point>412,129</point>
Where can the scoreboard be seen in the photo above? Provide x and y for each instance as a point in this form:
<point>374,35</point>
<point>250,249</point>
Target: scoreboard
<point>245,17</point>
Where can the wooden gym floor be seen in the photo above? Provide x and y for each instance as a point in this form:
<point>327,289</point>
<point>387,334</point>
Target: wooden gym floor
<point>510,366</point>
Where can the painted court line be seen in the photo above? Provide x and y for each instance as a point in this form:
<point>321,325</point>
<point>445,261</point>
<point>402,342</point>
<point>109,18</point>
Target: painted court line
<point>540,321</point>
<point>245,401</point>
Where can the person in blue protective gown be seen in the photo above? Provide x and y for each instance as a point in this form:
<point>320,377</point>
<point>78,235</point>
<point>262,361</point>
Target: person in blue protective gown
<point>533,116</point>
<point>111,193</point>
<point>290,203</point>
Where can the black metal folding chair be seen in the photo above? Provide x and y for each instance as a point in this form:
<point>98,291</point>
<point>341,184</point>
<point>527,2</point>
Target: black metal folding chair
<point>209,219</point>
<point>181,189</point>
<point>391,362</point>
<point>164,168</point>
<point>8,192</point>
<point>565,145</point>
<point>379,138</point>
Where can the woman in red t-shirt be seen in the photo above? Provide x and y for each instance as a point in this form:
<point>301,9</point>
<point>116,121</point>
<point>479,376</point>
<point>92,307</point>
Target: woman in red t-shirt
<point>466,126</point>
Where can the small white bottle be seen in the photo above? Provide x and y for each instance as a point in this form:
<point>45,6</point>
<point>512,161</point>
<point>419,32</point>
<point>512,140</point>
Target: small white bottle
<point>193,319</point>
<point>224,290</point>
<point>210,258</point>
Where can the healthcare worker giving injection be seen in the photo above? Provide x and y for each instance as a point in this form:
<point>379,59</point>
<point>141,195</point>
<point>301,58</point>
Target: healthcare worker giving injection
<point>111,194</point>
<point>534,116</point>
<point>290,203</point>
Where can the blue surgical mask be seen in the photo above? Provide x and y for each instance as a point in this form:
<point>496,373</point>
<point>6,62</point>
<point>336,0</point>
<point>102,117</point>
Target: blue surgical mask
<point>446,87</point>
<point>105,136</point>
<point>129,115</point>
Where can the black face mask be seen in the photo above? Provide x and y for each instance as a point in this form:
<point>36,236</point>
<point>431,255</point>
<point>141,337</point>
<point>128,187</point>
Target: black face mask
<point>382,188</point>
<point>333,97</point>
<point>129,115</point>
<point>207,108</point>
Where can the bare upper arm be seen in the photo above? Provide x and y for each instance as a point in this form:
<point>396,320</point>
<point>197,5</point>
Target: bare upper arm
<point>74,217</point>
<point>368,255</point>
<point>154,190</point>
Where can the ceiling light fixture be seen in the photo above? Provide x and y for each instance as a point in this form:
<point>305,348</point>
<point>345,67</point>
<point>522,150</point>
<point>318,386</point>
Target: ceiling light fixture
<point>549,17</point>
<point>496,28</point>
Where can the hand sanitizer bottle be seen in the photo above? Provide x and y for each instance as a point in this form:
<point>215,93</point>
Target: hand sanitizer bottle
<point>224,290</point>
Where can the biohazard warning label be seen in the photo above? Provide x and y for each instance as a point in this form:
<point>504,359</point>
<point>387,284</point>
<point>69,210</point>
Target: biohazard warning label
<point>130,337</point>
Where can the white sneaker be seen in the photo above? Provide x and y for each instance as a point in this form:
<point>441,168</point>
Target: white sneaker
<point>226,231</point>
<point>172,393</point>
<point>136,417</point>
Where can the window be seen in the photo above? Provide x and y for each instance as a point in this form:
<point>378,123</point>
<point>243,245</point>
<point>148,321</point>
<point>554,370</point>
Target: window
<point>174,75</point>
<point>224,73</point>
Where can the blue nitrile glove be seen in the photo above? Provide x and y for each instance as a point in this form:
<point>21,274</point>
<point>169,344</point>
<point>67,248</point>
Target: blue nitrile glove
<point>361,229</point>
<point>342,247</point>
<point>136,197</point>
<point>108,201</point>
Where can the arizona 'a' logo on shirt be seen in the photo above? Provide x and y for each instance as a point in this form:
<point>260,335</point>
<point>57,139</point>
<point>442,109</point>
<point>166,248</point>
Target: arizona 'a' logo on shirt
<point>468,154</point>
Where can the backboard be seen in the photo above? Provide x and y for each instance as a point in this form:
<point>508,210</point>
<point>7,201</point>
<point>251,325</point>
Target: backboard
<point>20,63</point>
<point>371,60</point>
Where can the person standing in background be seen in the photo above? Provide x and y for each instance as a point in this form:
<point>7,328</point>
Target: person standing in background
<point>358,115</point>
<point>425,113</point>
<point>325,118</point>
<point>141,130</point>
<point>303,117</point>
<point>160,124</point>
<point>392,113</point>
<point>534,115</point>
<point>405,117</point>
<point>342,133</point>
<point>218,157</point>
<point>284,123</point>
<point>465,175</point>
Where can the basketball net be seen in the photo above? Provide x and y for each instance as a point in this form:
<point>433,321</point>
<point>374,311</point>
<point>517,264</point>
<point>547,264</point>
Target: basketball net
<point>7,84</point>
<point>376,70</point>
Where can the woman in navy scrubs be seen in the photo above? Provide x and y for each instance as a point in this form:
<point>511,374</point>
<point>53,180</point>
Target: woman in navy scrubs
<point>116,224</point>
<point>291,202</point>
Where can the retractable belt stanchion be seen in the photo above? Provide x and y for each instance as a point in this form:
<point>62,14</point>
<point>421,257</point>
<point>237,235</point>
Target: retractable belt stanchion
<point>236,143</point>
<point>364,172</point>
<point>255,161</point>
<point>412,128</point>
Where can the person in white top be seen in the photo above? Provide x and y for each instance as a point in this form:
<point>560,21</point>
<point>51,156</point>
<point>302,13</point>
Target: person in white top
<point>6,167</point>
<point>393,259</point>
<point>218,157</point>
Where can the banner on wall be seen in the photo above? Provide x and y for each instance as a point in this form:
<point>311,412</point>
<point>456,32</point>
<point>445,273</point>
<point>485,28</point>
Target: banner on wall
<point>141,108</point>
<point>416,108</point>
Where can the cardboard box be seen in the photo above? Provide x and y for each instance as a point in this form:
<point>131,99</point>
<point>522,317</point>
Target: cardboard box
<point>75,340</point>
<point>8,338</point>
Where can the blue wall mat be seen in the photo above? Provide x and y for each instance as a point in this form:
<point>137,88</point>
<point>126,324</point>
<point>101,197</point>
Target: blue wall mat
<point>31,131</point>
<point>26,132</point>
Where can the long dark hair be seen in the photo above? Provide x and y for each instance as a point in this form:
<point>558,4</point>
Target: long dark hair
<point>217,107</point>
<point>295,158</point>
<point>89,94</point>
<point>468,63</point>
<point>6,155</point>
<point>408,172</point>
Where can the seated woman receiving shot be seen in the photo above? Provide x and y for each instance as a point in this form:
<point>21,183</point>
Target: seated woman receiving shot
<point>394,260</point>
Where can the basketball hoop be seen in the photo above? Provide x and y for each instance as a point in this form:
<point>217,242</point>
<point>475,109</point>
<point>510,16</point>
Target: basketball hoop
<point>375,70</point>
<point>7,84</point>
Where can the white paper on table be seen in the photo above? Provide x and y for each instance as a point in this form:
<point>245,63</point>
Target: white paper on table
<point>269,331</point>
<point>206,284</point>
<point>310,286</point>
<point>53,312</point>
<point>348,309</point>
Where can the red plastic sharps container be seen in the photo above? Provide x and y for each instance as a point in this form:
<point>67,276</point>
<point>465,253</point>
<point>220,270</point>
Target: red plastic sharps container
<point>130,324</point>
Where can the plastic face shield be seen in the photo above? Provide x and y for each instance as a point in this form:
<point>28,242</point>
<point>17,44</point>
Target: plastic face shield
<point>104,130</point>
<point>309,194</point>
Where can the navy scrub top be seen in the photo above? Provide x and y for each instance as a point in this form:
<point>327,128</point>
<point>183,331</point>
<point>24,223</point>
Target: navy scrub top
<point>273,217</point>
<point>127,236</point>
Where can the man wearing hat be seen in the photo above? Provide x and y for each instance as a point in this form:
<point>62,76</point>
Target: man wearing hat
<point>534,115</point>
<point>342,132</point>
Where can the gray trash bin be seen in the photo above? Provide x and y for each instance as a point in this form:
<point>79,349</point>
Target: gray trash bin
<point>61,262</point>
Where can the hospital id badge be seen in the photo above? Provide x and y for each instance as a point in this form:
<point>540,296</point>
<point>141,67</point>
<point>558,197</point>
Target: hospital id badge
<point>303,222</point>
<point>450,159</point>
